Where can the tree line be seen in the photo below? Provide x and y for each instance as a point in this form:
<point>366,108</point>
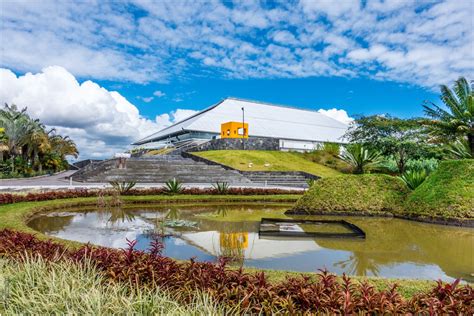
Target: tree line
<point>28,147</point>
<point>445,132</point>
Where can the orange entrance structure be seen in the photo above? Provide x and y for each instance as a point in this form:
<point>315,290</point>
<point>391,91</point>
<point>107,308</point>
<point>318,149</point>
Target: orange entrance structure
<point>234,130</point>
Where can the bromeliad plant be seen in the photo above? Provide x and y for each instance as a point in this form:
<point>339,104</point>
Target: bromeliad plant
<point>324,293</point>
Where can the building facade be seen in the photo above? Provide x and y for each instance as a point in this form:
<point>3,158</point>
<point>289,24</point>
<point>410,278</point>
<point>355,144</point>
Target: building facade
<point>296,129</point>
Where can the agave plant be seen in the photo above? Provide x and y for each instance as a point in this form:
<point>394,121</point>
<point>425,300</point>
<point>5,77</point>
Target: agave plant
<point>221,187</point>
<point>361,159</point>
<point>414,178</point>
<point>460,149</point>
<point>122,187</point>
<point>173,186</point>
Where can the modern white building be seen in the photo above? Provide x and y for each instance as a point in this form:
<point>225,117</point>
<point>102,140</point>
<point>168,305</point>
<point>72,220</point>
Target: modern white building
<point>296,129</point>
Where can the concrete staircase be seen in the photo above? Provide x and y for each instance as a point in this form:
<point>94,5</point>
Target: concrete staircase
<point>159,169</point>
<point>278,178</point>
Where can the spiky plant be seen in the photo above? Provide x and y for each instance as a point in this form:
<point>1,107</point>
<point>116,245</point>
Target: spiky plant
<point>458,118</point>
<point>173,186</point>
<point>122,187</point>
<point>414,178</point>
<point>460,149</point>
<point>361,159</point>
<point>221,187</point>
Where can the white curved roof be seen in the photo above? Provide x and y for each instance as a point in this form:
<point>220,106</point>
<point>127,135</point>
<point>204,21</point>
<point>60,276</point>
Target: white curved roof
<point>265,120</point>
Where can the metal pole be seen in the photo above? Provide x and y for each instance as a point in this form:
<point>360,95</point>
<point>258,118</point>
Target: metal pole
<point>243,128</point>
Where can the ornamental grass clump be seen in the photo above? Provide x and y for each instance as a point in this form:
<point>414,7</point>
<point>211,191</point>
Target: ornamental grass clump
<point>235,290</point>
<point>39,287</point>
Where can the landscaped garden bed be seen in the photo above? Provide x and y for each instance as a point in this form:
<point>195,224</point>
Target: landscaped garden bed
<point>235,288</point>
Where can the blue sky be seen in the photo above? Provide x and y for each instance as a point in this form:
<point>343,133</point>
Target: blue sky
<point>109,72</point>
<point>357,96</point>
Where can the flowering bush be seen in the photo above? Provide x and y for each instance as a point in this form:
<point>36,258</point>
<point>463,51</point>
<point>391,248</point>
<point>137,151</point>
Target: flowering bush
<point>325,293</point>
<point>8,198</point>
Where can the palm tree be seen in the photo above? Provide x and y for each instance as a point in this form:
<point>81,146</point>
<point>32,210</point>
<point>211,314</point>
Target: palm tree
<point>63,146</point>
<point>458,120</point>
<point>3,143</point>
<point>360,158</point>
<point>38,143</point>
<point>17,126</point>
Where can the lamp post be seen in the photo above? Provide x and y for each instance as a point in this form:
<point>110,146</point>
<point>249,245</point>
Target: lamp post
<point>243,128</point>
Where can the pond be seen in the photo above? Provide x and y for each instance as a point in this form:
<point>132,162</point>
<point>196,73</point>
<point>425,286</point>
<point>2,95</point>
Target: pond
<point>393,248</point>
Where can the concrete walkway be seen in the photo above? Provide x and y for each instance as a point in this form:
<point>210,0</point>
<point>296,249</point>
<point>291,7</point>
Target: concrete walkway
<point>61,181</point>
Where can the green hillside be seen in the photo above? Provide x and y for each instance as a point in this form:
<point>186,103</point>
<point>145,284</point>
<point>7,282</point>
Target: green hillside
<point>356,194</point>
<point>266,161</point>
<point>447,192</point>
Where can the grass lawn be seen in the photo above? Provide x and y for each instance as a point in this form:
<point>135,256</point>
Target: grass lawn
<point>276,161</point>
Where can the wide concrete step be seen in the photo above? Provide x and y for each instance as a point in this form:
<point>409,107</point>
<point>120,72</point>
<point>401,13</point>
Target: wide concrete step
<point>159,170</point>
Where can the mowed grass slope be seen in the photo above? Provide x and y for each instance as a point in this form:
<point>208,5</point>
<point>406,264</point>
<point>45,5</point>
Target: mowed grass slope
<point>367,194</point>
<point>275,160</point>
<point>447,192</point>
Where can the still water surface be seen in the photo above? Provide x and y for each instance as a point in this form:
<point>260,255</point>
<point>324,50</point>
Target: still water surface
<point>393,248</point>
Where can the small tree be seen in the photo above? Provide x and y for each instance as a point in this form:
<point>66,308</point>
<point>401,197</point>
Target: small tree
<point>399,138</point>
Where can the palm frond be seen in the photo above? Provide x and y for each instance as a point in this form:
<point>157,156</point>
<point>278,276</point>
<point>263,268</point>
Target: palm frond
<point>462,88</point>
<point>450,100</point>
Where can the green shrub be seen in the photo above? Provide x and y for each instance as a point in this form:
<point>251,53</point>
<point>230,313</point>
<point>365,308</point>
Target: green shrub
<point>389,165</point>
<point>331,148</point>
<point>447,192</point>
<point>359,194</point>
<point>321,157</point>
<point>428,165</point>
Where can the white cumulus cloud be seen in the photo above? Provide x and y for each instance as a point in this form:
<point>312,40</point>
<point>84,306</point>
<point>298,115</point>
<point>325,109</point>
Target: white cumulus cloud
<point>337,114</point>
<point>425,43</point>
<point>100,121</point>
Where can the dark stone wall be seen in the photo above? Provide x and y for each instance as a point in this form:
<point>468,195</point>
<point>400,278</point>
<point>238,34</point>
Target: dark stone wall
<point>252,143</point>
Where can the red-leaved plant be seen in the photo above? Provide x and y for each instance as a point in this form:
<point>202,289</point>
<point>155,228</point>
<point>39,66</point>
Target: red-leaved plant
<point>8,198</point>
<point>324,293</point>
